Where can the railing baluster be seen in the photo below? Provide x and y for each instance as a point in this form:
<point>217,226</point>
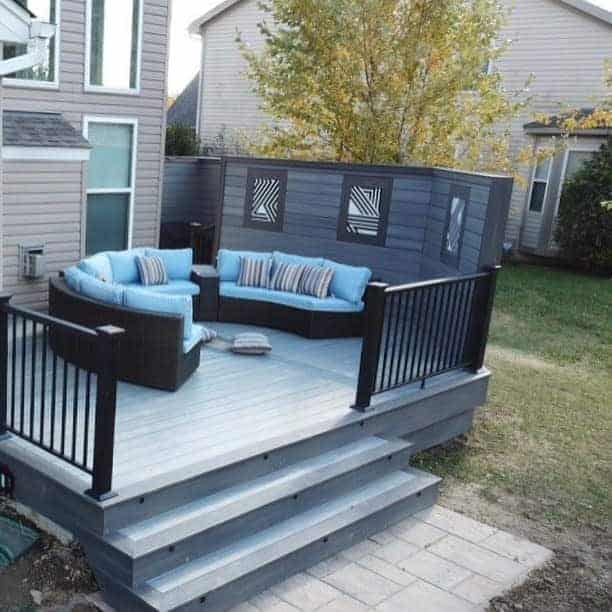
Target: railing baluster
<point>424,333</point>
<point>64,406</point>
<point>23,375</point>
<point>53,399</point>
<point>87,417</point>
<point>75,412</point>
<point>388,322</point>
<point>13,370</point>
<point>33,380</point>
<point>4,300</point>
<point>405,299</point>
<point>43,385</point>
<point>451,326</point>
<point>417,332</point>
<point>395,299</point>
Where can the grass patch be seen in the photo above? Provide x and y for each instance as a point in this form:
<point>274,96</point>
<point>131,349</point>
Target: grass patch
<point>545,432</point>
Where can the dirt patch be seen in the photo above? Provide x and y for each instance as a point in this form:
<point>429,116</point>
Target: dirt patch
<point>46,577</point>
<point>577,579</point>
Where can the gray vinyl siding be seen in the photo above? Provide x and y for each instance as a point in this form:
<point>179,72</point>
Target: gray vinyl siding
<point>563,47</point>
<point>42,205</point>
<point>74,104</point>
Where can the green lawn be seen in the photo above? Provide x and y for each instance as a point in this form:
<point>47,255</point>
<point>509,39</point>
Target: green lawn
<point>545,434</point>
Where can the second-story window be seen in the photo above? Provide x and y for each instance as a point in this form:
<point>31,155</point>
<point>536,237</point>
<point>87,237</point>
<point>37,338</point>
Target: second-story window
<point>44,74</point>
<point>114,31</point>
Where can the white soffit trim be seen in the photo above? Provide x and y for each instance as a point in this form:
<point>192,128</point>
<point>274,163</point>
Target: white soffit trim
<point>45,154</point>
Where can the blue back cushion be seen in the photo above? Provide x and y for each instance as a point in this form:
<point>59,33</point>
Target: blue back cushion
<point>178,262</point>
<point>73,277</point>
<point>228,262</point>
<point>98,266</point>
<point>287,258</point>
<point>349,282</point>
<point>101,291</point>
<point>124,266</point>
<point>143,299</point>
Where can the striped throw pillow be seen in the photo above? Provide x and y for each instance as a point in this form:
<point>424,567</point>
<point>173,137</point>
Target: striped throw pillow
<point>151,270</point>
<point>287,277</point>
<point>316,281</point>
<point>254,272</point>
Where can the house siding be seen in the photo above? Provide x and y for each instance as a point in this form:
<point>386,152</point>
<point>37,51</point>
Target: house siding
<point>74,103</point>
<point>563,47</point>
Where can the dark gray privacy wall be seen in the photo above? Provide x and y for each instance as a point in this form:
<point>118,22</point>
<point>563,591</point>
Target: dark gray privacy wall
<point>417,217</point>
<point>191,189</point>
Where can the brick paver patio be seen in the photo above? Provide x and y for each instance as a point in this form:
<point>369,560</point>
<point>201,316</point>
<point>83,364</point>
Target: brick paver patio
<point>438,561</point>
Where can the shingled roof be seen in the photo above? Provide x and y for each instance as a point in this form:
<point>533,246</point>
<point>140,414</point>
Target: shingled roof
<point>21,129</point>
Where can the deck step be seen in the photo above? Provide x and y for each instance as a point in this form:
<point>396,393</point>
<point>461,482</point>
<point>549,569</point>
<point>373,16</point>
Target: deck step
<point>221,579</point>
<point>156,545</point>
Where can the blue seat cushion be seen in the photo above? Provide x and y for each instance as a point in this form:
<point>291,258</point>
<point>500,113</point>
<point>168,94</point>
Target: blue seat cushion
<point>349,282</point>
<point>73,277</point>
<point>228,262</point>
<point>178,262</point>
<point>296,300</point>
<point>98,266</point>
<point>145,299</point>
<point>286,258</point>
<point>197,335</point>
<point>99,290</point>
<point>124,266</point>
<point>173,287</point>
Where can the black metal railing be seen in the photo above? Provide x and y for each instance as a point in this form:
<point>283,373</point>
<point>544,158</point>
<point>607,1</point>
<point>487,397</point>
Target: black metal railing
<point>52,403</point>
<point>416,331</point>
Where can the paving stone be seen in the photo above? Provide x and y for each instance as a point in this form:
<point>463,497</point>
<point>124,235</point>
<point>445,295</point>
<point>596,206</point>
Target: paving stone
<point>431,568</point>
<point>423,597</point>
<point>456,523</point>
<point>329,566</point>
<point>477,589</point>
<point>344,604</point>
<point>361,549</point>
<point>417,532</point>
<point>387,570</point>
<point>395,550</point>
<point>269,602</point>
<point>305,592</point>
<point>518,549</point>
<point>363,584</point>
<point>246,607</point>
<point>478,559</point>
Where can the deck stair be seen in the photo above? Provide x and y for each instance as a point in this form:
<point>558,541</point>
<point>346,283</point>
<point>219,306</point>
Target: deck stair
<point>217,549</point>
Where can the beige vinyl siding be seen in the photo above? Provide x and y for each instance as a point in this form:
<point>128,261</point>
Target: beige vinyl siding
<point>565,49</point>
<point>228,106</point>
<point>148,107</point>
<point>42,205</point>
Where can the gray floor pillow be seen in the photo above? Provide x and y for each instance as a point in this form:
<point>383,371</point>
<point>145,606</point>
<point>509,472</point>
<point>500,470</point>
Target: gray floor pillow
<point>251,343</point>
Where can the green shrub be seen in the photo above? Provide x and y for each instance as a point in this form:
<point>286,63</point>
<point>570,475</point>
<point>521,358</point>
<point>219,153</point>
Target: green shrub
<point>584,229</point>
<point>181,139</point>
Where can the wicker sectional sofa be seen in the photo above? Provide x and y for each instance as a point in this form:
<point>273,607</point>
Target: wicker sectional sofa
<point>161,345</point>
<point>340,314</point>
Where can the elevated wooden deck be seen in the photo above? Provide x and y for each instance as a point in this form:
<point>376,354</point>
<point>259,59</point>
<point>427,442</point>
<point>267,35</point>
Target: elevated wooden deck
<point>256,468</point>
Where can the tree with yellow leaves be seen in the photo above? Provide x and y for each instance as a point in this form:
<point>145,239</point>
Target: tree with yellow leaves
<point>385,81</point>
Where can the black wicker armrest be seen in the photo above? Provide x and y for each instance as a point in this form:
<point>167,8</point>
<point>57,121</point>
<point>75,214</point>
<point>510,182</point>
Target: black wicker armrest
<point>207,279</point>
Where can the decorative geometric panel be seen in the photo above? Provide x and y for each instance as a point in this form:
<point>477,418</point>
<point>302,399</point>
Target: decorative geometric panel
<point>265,204</point>
<point>364,210</point>
<point>455,226</point>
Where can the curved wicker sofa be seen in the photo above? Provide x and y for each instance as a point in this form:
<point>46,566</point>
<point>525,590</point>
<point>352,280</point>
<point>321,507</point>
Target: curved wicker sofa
<point>152,350</point>
<point>339,315</point>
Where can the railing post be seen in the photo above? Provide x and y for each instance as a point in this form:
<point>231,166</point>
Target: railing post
<point>481,318</point>
<point>5,298</point>
<point>106,405</point>
<point>372,335</point>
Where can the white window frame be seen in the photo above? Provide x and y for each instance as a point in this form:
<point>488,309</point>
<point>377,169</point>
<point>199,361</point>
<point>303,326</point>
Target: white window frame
<point>32,84</point>
<point>537,180</point>
<point>576,148</point>
<point>101,89</point>
<point>106,119</point>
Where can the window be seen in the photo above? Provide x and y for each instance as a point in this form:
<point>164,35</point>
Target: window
<point>113,45</point>
<point>110,183</point>
<point>45,74</point>
<point>364,210</point>
<point>539,186</point>
<point>452,237</point>
<point>265,199</point>
<point>574,159</point>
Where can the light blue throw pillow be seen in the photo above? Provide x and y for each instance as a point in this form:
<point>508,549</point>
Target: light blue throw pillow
<point>73,277</point>
<point>98,266</point>
<point>124,266</point>
<point>178,262</point>
<point>349,282</point>
<point>228,262</point>
<point>143,299</point>
<point>99,290</point>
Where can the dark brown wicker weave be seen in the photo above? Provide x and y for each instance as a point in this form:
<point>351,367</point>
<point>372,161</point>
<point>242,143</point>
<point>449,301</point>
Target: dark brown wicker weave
<point>307,323</point>
<point>151,350</point>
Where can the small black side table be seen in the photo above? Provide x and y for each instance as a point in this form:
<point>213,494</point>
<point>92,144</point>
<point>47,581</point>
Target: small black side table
<point>208,303</point>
